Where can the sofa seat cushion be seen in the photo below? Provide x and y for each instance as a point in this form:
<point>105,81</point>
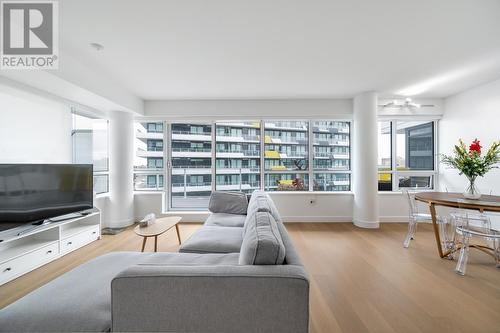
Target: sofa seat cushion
<point>214,239</point>
<point>262,242</point>
<point>226,220</point>
<point>80,300</point>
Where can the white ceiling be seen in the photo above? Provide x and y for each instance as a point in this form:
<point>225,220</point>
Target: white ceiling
<point>197,49</point>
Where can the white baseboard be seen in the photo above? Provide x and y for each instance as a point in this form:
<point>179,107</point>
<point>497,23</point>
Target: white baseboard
<point>333,219</point>
<point>393,219</point>
<point>366,224</point>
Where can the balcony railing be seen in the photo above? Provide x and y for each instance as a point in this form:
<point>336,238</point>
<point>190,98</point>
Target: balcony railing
<point>245,137</point>
<point>192,150</point>
<point>191,133</point>
<point>153,148</point>
<point>191,166</point>
<point>188,184</point>
<point>244,152</point>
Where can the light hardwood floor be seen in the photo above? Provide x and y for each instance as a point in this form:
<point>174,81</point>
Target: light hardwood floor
<point>361,280</point>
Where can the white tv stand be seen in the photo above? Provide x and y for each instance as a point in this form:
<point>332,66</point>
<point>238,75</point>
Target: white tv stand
<point>27,247</point>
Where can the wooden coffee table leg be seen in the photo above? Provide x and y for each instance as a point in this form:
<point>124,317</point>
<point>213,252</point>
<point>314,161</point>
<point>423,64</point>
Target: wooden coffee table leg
<point>143,243</point>
<point>178,234</point>
<point>156,243</point>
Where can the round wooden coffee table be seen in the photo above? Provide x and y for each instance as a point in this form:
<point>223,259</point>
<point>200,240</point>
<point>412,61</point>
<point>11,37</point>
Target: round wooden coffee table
<point>156,229</point>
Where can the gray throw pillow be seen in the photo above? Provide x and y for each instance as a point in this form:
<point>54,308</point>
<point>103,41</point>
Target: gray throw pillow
<point>262,243</point>
<point>228,202</point>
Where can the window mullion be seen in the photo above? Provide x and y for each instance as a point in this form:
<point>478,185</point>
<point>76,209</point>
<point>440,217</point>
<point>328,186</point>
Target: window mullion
<point>310,163</point>
<point>213,145</point>
<point>262,155</point>
<point>394,173</point>
<point>167,163</point>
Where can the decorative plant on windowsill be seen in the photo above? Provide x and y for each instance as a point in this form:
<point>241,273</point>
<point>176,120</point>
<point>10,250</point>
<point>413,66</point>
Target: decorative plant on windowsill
<point>472,164</point>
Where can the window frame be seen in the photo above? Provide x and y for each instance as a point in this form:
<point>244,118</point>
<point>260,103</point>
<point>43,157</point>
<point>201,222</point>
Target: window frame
<point>395,174</point>
<point>101,173</point>
<point>167,153</point>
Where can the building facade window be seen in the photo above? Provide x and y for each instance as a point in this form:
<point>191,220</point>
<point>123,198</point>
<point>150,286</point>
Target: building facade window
<point>190,173</point>
<point>331,156</point>
<point>149,156</point>
<point>286,155</point>
<point>237,156</point>
<point>406,154</point>
<point>90,144</point>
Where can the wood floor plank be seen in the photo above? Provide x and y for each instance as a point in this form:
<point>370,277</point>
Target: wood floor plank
<point>361,280</point>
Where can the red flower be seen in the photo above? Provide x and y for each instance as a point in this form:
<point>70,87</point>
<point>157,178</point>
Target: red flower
<point>475,147</point>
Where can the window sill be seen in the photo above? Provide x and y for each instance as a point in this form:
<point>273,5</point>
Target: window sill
<point>310,193</point>
<point>400,192</point>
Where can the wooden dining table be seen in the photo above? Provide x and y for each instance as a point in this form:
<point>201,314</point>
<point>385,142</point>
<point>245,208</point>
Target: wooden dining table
<point>486,203</point>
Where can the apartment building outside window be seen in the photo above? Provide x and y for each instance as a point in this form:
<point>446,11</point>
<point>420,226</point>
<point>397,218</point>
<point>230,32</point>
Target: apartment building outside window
<point>89,138</point>
<point>406,157</point>
<point>281,155</point>
<point>148,156</point>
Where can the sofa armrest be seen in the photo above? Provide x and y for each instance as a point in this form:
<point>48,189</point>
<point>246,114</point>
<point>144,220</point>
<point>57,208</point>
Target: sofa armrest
<point>228,202</point>
<point>165,298</point>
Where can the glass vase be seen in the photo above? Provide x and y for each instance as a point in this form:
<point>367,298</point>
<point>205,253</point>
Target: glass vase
<point>471,191</point>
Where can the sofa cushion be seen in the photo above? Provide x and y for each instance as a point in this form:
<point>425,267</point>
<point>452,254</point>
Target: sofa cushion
<point>226,220</point>
<point>80,300</point>
<point>262,243</point>
<point>228,202</point>
<point>214,239</point>
<point>260,202</point>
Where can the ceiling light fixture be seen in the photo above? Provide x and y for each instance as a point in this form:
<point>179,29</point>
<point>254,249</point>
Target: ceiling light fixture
<point>407,103</point>
<point>97,46</point>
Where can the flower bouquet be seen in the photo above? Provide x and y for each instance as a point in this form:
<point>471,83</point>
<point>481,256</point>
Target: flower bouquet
<point>472,164</point>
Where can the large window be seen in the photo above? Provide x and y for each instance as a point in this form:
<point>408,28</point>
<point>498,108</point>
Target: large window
<point>286,155</point>
<point>281,155</point>
<point>191,165</point>
<point>331,156</point>
<point>90,146</point>
<point>406,154</point>
<point>148,158</point>
<point>237,156</point>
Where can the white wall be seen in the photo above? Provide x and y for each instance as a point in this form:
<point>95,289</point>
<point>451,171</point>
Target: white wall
<point>248,109</point>
<point>472,114</point>
<point>34,130</point>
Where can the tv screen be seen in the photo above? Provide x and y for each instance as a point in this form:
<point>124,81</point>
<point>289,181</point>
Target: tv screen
<point>35,192</point>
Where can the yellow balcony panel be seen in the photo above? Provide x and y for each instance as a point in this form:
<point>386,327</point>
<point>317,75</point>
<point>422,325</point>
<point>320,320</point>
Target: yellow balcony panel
<point>384,177</point>
<point>267,139</point>
<point>278,168</point>
<point>287,182</point>
<point>271,154</point>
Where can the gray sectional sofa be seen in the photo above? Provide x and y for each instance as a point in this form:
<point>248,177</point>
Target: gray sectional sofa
<point>238,273</point>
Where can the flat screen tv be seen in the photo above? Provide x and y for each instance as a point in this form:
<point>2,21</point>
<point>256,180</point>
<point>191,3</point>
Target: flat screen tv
<point>36,192</point>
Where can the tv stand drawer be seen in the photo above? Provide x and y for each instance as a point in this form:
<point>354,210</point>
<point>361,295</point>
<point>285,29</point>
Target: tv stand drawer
<point>74,242</point>
<point>21,265</point>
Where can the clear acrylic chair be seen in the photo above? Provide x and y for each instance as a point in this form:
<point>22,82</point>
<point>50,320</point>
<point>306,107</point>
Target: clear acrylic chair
<point>475,225</point>
<point>415,217</point>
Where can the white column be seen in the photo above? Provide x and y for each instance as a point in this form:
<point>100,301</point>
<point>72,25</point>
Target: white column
<point>365,183</point>
<point>121,167</point>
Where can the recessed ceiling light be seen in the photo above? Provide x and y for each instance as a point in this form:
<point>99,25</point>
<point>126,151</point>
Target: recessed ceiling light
<point>96,46</point>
